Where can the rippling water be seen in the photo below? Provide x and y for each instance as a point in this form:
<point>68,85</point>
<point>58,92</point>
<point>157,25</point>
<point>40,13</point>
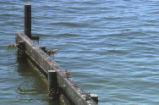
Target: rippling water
<point>111,47</point>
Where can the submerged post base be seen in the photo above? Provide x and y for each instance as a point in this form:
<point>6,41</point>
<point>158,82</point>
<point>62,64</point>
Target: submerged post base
<point>53,85</point>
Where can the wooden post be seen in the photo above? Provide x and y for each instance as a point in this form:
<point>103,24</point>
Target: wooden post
<point>21,51</point>
<point>53,85</point>
<point>27,20</point>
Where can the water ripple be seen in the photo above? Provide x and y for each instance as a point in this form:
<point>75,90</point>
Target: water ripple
<point>110,47</point>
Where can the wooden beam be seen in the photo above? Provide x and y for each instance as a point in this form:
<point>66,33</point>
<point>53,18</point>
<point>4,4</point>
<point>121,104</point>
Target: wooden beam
<point>45,63</point>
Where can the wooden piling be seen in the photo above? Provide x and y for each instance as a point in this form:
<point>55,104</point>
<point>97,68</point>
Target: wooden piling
<point>52,84</point>
<point>21,51</point>
<point>27,20</point>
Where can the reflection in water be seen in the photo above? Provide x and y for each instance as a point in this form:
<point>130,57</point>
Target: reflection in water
<point>32,87</point>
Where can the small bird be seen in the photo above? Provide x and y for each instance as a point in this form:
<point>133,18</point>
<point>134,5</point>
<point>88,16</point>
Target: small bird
<point>51,51</point>
<point>87,96</point>
<point>12,46</point>
<point>68,73</point>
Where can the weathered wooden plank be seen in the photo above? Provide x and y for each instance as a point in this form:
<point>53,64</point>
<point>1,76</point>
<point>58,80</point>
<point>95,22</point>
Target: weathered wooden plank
<point>66,85</point>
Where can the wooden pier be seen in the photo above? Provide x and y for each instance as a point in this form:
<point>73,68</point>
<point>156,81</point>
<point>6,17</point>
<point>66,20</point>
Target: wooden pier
<point>59,80</point>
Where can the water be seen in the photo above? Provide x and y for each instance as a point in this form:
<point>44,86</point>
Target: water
<point>111,48</point>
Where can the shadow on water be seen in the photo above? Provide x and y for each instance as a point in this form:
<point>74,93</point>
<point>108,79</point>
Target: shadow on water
<point>33,87</point>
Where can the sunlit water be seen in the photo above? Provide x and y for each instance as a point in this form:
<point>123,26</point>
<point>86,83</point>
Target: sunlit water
<point>111,47</point>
